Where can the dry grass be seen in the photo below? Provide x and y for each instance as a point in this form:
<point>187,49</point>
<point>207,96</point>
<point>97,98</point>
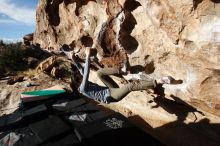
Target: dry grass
<point>29,72</point>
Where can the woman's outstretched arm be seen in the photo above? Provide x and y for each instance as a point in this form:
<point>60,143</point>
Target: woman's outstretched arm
<point>86,71</point>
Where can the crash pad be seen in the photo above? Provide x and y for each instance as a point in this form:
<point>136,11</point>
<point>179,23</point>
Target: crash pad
<point>41,94</point>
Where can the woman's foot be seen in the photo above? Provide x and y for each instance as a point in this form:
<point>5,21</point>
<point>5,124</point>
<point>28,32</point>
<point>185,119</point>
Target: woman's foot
<point>168,80</point>
<point>165,80</point>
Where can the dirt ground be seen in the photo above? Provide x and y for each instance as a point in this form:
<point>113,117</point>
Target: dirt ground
<point>10,94</point>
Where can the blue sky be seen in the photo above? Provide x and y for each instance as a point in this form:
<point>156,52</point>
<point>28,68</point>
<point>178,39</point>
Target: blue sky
<point>17,18</point>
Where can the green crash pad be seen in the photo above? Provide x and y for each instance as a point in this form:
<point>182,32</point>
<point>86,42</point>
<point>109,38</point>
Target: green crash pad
<point>41,94</point>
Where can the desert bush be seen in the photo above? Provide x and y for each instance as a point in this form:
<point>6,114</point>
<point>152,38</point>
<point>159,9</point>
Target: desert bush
<point>12,57</point>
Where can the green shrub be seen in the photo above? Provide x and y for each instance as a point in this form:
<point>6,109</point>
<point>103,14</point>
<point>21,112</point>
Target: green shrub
<point>12,58</point>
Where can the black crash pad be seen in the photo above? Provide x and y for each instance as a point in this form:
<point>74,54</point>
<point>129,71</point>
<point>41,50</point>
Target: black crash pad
<point>76,119</point>
<point>18,117</point>
<point>27,138</point>
<point>68,105</point>
<point>50,131</point>
<point>49,128</point>
<point>84,114</point>
<point>113,130</point>
<point>63,140</point>
<point>87,108</point>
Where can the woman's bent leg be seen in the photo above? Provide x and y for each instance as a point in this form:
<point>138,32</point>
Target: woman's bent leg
<point>142,85</point>
<point>119,93</point>
<point>108,81</point>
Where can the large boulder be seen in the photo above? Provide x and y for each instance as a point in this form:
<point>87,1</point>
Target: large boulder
<point>28,39</point>
<point>47,65</point>
<point>176,38</point>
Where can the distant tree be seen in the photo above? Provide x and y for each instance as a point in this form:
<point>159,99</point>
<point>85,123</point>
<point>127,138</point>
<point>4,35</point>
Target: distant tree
<point>1,43</point>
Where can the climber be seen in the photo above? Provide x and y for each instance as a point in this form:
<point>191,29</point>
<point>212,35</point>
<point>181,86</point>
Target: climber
<point>111,92</point>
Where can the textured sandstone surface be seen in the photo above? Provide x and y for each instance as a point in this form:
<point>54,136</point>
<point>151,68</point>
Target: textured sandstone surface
<point>166,37</point>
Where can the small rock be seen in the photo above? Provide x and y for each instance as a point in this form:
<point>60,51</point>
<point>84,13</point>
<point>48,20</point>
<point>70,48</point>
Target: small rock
<point>31,84</point>
<point>15,80</point>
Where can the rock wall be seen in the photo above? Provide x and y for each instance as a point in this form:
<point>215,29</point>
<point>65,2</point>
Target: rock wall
<point>166,37</point>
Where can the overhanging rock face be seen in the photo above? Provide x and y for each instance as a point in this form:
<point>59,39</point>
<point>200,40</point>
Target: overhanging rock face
<point>166,37</point>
